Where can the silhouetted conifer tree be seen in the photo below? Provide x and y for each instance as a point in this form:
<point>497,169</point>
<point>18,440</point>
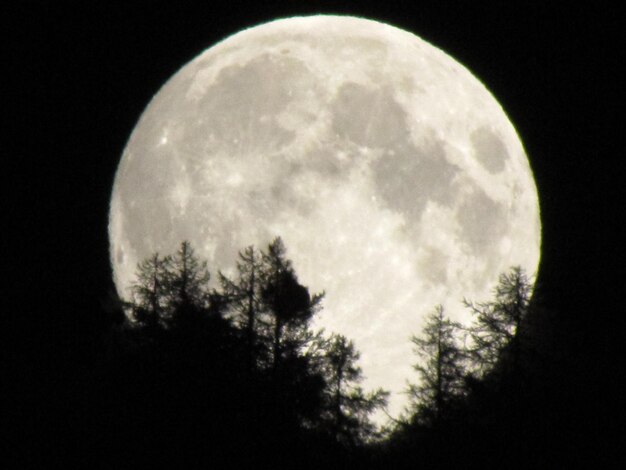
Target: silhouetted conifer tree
<point>243,300</point>
<point>348,406</point>
<point>170,286</point>
<point>150,291</point>
<point>441,369</point>
<point>239,366</point>
<point>289,304</point>
<point>188,280</point>
<point>497,323</point>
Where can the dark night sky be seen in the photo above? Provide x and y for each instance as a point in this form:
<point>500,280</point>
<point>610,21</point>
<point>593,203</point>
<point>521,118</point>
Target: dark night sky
<point>83,73</point>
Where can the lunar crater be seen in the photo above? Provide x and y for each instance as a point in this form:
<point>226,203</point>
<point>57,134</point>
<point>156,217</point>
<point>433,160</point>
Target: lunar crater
<point>244,104</point>
<point>483,221</point>
<point>412,176</point>
<point>368,116</point>
<point>489,150</point>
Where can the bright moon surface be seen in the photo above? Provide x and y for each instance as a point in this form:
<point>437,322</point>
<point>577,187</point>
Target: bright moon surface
<point>393,176</point>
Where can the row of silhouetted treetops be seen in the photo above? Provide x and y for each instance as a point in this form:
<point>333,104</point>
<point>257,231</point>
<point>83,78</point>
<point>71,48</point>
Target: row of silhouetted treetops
<point>231,373</point>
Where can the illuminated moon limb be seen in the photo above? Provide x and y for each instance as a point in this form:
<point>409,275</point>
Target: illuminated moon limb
<point>394,177</point>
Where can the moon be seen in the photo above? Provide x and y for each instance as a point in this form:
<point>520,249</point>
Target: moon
<point>393,176</point>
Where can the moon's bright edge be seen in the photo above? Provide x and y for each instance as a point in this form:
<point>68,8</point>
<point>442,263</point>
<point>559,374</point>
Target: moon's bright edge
<point>394,177</point>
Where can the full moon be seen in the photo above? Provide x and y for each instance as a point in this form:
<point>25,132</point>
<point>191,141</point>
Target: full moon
<point>393,176</point>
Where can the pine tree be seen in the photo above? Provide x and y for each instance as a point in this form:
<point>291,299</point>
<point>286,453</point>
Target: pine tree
<point>170,288</point>
<point>243,299</point>
<point>289,304</point>
<point>441,369</point>
<point>348,406</point>
<point>189,278</point>
<point>497,323</point>
<point>150,291</point>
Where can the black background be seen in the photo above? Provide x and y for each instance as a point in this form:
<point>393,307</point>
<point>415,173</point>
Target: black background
<point>81,73</point>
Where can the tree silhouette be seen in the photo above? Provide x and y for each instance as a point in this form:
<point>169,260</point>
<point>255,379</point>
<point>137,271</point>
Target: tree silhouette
<point>170,286</point>
<point>243,300</point>
<point>195,374</point>
<point>441,369</point>
<point>289,304</point>
<point>349,407</point>
<point>497,323</point>
<point>188,280</point>
<point>150,291</point>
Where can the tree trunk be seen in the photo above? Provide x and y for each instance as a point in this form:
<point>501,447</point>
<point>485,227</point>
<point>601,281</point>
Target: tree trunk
<point>251,317</point>
<point>338,413</point>
<point>439,389</point>
<point>278,330</point>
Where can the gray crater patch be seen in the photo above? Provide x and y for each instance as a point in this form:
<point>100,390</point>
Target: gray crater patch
<point>489,150</point>
<point>433,266</point>
<point>320,160</point>
<point>411,176</point>
<point>150,226</point>
<point>326,160</point>
<point>241,107</point>
<point>406,176</point>
<point>119,256</point>
<point>482,220</point>
<point>368,117</point>
<point>285,199</point>
<point>147,178</point>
